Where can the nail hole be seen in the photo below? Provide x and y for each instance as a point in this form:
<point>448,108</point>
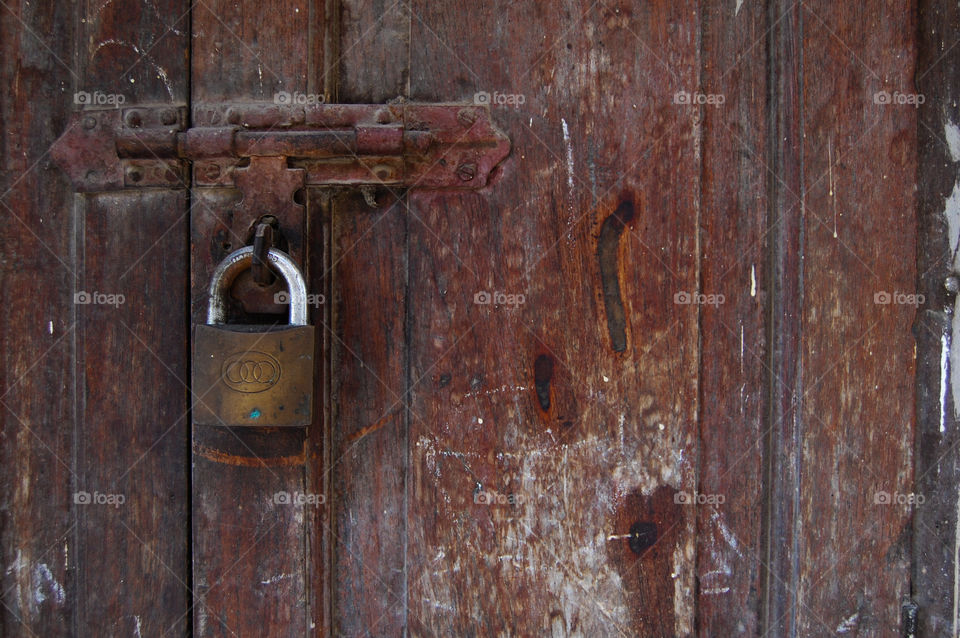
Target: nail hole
<point>643,534</point>
<point>542,374</point>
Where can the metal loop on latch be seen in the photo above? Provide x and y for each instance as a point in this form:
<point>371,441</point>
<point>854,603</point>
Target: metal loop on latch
<point>240,260</point>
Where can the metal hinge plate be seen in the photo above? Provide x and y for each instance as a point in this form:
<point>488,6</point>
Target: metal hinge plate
<point>403,145</point>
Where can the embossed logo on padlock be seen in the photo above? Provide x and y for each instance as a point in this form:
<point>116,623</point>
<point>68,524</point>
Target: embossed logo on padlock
<point>251,374</point>
<point>250,371</point>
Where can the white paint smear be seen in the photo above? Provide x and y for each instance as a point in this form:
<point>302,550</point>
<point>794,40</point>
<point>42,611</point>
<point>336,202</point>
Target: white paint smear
<point>952,133</point>
<point>944,375</point>
<point>569,147</point>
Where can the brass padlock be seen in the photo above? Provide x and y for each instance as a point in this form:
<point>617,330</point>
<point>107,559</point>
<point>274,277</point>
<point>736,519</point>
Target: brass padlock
<point>253,374</point>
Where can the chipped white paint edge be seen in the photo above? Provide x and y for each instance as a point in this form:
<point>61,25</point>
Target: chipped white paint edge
<point>737,10</point>
<point>753,280</point>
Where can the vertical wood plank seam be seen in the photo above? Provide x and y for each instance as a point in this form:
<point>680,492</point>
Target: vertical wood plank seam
<point>698,244</point>
<point>76,260</point>
<point>780,350</point>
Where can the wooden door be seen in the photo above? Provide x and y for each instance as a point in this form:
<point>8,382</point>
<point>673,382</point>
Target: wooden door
<point>681,366</point>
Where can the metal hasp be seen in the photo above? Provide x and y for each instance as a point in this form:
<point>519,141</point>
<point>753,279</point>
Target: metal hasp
<point>405,145</point>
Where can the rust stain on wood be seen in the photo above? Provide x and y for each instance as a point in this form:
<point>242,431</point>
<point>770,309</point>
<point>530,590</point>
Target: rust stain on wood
<point>373,427</point>
<point>219,456</point>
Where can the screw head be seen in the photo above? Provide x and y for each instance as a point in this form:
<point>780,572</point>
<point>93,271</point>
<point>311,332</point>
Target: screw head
<point>134,174</point>
<point>89,122</point>
<point>467,171</point>
<point>133,118</point>
<point>168,117</point>
<point>233,116</point>
<point>383,172</point>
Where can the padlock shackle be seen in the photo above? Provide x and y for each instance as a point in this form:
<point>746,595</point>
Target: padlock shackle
<point>240,260</point>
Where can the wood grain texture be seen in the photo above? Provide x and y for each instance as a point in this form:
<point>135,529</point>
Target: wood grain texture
<point>133,244</point>
<point>368,350</point>
<point>734,369</point>
<point>539,430</point>
<point>251,566</point>
<point>785,181</point>
<point>935,524</point>
<point>368,437</point>
<point>127,564</point>
<point>37,327</point>
<point>857,400</point>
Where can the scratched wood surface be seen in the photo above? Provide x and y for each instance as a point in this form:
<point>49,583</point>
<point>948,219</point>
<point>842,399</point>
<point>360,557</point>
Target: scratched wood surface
<point>935,524</point>
<point>369,352</point>
<point>855,391</point>
<point>541,429</point>
<point>133,243</point>
<point>37,514</point>
<point>733,341</point>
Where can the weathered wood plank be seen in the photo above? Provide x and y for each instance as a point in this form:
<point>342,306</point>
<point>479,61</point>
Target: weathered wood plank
<point>37,326</point>
<point>734,272</point>
<point>937,466</point>
<point>859,250</point>
<point>131,456</point>
<point>133,245</point>
<point>251,567</point>
<point>368,438</point>
<point>368,350</point>
<point>540,430</point>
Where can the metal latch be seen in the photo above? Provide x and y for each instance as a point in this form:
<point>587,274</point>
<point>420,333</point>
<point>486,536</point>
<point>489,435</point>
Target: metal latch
<point>437,146</point>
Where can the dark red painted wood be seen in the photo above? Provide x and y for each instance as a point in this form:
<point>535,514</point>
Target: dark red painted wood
<point>38,319</point>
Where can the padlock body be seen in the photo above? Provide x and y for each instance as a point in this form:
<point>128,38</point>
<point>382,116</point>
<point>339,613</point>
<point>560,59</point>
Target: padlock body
<point>253,375</point>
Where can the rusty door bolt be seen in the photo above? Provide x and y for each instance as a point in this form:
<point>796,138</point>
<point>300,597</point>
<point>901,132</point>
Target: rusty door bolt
<point>467,172</point>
